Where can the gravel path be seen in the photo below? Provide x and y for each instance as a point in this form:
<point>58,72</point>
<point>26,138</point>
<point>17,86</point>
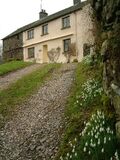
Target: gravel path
<point>35,130</point>
<point>6,80</point>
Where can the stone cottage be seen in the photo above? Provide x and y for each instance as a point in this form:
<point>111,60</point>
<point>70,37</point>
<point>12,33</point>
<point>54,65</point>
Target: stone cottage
<point>60,37</point>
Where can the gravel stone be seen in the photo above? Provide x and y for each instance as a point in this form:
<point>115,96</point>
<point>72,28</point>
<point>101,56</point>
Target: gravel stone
<point>35,129</point>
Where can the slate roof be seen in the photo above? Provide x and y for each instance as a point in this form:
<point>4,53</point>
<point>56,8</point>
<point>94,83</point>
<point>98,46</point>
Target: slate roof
<point>48,19</point>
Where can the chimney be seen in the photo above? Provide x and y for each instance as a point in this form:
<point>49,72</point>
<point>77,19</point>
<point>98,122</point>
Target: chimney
<point>42,14</point>
<point>76,2</point>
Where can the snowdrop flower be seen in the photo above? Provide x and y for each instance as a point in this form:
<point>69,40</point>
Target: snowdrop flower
<point>104,140</point>
<point>89,152</point>
<point>70,156</point>
<point>86,144</point>
<point>75,139</point>
<point>74,147</point>
<point>102,150</point>
<point>73,150</point>
<point>67,154</point>
<point>61,158</point>
<point>96,136</point>
<point>116,155</point>
<point>91,133</point>
<point>75,154</point>
<point>108,130</point>
<point>88,133</point>
<point>94,145</point>
<point>77,101</point>
<point>84,149</point>
<point>98,141</point>
<point>71,145</point>
<point>109,138</point>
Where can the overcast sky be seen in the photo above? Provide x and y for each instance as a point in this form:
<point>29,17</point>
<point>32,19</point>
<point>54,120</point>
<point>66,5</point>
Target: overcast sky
<point>17,13</point>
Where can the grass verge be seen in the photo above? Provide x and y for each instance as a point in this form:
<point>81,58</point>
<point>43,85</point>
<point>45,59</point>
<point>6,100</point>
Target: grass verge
<point>86,100</point>
<point>23,88</point>
<point>12,66</point>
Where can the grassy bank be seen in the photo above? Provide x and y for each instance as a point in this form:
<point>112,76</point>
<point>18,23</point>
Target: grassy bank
<point>12,66</point>
<point>23,88</point>
<point>90,133</point>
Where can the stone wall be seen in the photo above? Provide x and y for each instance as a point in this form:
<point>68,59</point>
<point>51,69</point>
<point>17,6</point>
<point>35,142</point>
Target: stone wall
<point>12,48</point>
<point>108,14</point>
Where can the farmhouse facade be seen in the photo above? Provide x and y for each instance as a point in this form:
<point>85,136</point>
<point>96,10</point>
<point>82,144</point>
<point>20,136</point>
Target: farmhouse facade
<point>56,38</point>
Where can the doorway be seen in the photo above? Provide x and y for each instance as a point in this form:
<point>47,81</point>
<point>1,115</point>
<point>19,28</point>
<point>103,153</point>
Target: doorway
<point>45,56</point>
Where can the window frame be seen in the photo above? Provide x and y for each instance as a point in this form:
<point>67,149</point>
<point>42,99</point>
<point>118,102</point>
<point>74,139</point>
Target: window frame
<point>30,34</point>
<point>44,31</point>
<point>64,45</point>
<point>33,54</point>
<point>65,21</point>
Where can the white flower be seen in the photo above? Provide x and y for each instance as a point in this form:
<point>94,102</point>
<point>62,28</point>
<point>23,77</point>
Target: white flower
<point>75,139</point>
<point>96,136</point>
<point>70,156</point>
<point>61,158</point>
<point>116,155</point>
<point>98,141</point>
<point>91,133</point>
<point>86,144</point>
<point>70,144</point>
<point>102,150</point>
<point>74,147</point>
<point>84,149</point>
<point>88,133</point>
<point>89,152</point>
<point>104,140</point>
<point>75,154</point>
<point>109,138</point>
<point>73,150</point>
<point>94,145</point>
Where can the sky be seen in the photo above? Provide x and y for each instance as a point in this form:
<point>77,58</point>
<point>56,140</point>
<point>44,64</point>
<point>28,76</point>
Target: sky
<point>17,13</point>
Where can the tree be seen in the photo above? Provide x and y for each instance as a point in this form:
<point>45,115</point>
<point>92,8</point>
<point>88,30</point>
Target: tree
<point>54,54</point>
<point>72,52</point>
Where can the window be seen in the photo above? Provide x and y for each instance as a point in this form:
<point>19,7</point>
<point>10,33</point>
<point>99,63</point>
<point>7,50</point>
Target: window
<point>45,29</point>
<point>66,22</point>
<point>30,34</point>
<point>31,52</point>
<point>67,43</point>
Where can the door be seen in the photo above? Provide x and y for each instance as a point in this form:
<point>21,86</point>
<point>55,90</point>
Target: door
<point>45,55</point>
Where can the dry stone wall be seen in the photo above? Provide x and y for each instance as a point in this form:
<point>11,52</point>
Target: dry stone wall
<point>108,14</point>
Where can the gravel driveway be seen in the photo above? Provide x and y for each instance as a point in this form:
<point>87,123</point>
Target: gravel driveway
<point>35,129</point>
<point>6,80</point>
